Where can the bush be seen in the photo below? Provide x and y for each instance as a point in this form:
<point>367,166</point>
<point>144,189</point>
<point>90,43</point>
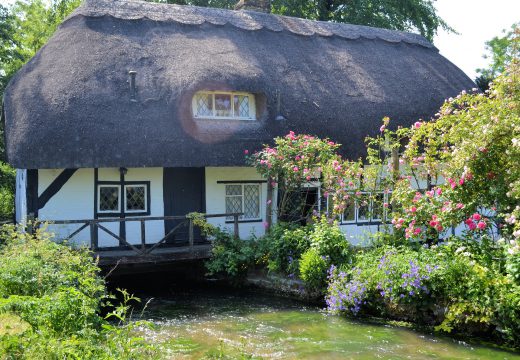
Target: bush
<point>448,286</point>
<point>283,246</point>
<point>313,269</point>
<point>329,241</point>
<point>231,256</point>
<point>52,296</point>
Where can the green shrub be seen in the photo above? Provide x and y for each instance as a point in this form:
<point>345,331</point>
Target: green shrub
<point>449,286</point>
<point>7,189</point>
<point>313,269</point>
<point>282,247</point>
<point>329,241</point>
<point>52,295</point>
<point>231,256</point>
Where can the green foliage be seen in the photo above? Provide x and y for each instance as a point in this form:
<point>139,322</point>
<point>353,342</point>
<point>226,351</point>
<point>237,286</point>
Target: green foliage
<point>231,256</point>
<point>326,237</point>
<point>459,287</point>
<point>501,50</point>
<point>296,159</point>
<point>52,295</point>
<point>7,191</point>
<point>313,269</point>
<point>282,247</point>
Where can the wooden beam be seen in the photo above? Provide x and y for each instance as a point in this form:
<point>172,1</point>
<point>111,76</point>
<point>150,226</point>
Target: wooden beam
<point>55,186</point>
<point>32,192</point>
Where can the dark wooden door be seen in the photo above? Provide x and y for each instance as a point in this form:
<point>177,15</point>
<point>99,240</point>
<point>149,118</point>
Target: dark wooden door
<point>184,192</point>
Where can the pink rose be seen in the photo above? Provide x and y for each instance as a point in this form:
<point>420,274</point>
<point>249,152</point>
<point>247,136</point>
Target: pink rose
<point>417,124</point>
<point>417,231</point>
<point>481,225</point>
<point>295,169</point>
<point>476,216</point>
<point>246,152</point>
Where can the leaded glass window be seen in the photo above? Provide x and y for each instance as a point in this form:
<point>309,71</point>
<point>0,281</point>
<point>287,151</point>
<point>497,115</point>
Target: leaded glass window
<point>243,198</point>
<point>108,198</point>
<point>135,198</point>
<point>223,105</point>
<point>350,211</point>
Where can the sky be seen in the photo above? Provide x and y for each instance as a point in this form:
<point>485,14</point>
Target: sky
<point>476,21</point>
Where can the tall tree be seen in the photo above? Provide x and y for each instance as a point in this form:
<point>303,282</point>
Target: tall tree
<point>501,50</point>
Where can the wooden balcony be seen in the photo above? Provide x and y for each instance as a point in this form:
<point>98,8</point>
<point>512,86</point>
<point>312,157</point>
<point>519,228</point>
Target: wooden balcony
<point>147,252</point>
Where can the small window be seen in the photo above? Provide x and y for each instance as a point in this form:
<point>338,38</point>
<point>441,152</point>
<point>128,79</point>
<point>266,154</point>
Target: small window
<point>349,215</point>
<point>223,105</point>
<point>135,198</point>
<point>108,199</point>
<point>243,198</point>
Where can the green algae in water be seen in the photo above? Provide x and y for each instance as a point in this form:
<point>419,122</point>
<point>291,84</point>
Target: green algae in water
<point>248,325</point>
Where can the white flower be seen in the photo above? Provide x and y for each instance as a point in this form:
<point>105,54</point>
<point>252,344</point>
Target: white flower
<point>467,254</point>
<point>459,250</point>
<point>501,241</point>
<point>516,234</point>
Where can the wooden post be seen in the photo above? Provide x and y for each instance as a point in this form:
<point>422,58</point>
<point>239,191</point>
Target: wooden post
<point>30,223</point>
<point>143,235</point>
<point>269,206</point>
<point>190,239</point>
<point>235,226</point>
<point>93,236</point>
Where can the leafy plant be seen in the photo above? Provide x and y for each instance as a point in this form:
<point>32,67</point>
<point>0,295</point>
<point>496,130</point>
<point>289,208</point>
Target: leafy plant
<point>313,269</point>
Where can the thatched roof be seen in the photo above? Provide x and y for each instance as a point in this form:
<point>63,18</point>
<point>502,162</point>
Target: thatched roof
<point>71,105</point>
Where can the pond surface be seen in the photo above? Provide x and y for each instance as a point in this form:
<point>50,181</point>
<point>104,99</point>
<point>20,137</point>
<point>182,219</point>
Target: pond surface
<point>206,322</point>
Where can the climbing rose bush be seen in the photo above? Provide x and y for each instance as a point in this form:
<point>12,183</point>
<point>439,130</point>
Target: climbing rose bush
<point>296,159</point>
<point>460,168</point>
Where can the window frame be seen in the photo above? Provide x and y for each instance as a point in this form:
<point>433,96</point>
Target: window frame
<point>252,105</point>
<point>241,218</point>
<point>371,220</point>
<point>146,198</point>
<point>122,199</point>
<point>98,198</point>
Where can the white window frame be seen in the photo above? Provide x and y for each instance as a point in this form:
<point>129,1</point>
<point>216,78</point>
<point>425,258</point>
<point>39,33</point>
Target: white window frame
<point>252,107</point>
<point>241,217</point>
<point>145,186</point>
<point>370,209</point>
<point>98,195</point>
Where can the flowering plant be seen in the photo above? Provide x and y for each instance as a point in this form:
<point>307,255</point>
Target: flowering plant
<point>296,159</point>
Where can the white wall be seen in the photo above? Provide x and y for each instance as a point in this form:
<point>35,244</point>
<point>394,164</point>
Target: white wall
<point>74,201</point>
<point>154,229</point>
<point>216,197</point>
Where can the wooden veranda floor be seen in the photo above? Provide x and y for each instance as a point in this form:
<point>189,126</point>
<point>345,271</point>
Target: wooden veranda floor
<point>161,255</point>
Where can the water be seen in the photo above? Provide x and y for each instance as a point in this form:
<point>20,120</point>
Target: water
<point>206,322</point>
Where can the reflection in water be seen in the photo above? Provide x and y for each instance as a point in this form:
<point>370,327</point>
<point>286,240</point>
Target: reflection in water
<point>205,321</point>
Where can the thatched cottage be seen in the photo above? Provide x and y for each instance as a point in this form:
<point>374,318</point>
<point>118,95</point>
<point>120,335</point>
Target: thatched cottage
<point>144,109</point>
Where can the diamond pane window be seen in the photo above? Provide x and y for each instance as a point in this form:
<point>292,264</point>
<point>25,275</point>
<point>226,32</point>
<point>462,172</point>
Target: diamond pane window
<point>233,189</point>
<point>243,198</point>
<point>204,104</point>
<point>135,198</point>
<point>241,106</point>
<point>224,105</point>
<point>108,200</point>
<point>251,201</point>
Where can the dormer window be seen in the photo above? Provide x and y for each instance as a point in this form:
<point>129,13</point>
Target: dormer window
<point>229,105</point>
